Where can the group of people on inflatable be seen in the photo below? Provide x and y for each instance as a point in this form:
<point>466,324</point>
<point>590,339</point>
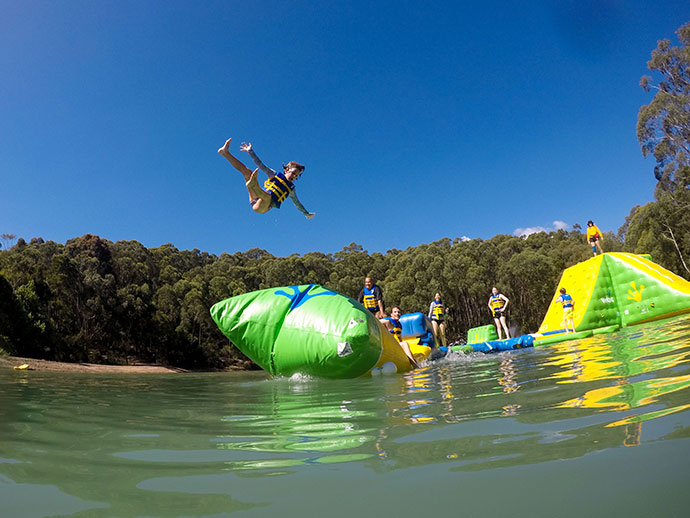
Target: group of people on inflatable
<point>371,297</point>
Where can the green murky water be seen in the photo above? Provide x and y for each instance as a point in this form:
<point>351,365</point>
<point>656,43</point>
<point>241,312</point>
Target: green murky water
<point>598,427</point>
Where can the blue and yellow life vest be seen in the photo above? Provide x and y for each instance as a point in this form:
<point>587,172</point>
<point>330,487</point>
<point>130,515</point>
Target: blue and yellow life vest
<point>397,328</point>
<point>369,299</point>
<point>566,300</point>
<point>496,302</point>
<point>439,311</point>
<point>279,187</point>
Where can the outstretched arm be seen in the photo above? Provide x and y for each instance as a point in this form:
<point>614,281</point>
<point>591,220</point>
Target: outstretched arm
<point>298,204</point>
<point>248,148</point>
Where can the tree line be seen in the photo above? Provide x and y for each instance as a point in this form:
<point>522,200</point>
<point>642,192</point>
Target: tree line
<point>94,300</point>
<point>99,301</point>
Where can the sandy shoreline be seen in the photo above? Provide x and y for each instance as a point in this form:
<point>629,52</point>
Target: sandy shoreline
<point>9,362</point>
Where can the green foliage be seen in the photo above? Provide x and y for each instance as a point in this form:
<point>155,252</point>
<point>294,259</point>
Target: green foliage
<point>98,301</point>
<point>663,130</point>
<point>6,240</point>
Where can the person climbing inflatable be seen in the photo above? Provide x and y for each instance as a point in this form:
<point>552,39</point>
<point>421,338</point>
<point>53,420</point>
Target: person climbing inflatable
<point>568,308</point>
<point>393,324</point>
<point>278,187</point>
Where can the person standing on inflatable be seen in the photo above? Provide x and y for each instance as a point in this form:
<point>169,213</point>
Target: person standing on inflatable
<point>568,308</point>
<point>498,304</point>
<point>371,297</point>
<point>437,314</point>
<point>594,237</point>
<point>278,186</point>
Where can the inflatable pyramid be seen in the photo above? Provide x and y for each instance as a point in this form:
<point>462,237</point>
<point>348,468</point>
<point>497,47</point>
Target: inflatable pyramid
<point>617,289</point>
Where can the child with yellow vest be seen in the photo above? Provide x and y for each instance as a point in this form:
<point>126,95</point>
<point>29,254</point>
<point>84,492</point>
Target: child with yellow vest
<point>277,188</point>
<point>437,314</point>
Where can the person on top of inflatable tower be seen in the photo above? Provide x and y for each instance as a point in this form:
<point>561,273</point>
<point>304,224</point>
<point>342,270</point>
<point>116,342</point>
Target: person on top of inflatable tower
<point>568,308</point>
<point>278,187</point>
<point>498,304</point>
<point>371,297</point>
<point>594,237</point>
<point>437,314</point>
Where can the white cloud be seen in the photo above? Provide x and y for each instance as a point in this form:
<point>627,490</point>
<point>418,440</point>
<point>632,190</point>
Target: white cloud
<point>557,225</point>
<point>528,231</point>
<point>465,238</point>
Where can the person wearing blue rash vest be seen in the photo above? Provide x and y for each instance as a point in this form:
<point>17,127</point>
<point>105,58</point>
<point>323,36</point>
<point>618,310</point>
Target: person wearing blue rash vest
<point>437,315</point>
<point>371,297</point>
<point>277,188</point>
<point>568,308</point>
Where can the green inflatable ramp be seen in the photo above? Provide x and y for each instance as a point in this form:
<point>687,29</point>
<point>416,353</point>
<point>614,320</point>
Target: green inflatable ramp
<point>616,290</point>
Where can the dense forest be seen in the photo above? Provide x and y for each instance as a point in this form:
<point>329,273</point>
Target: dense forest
<point>94,300</point>
<point>98,301</point>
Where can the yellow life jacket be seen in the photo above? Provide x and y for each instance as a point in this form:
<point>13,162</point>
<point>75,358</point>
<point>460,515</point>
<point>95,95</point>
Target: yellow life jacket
<point>496,302</point>
<point>439,311</point>
<point>279,186</point>
<point>397,328</point>
<point>369,299</point>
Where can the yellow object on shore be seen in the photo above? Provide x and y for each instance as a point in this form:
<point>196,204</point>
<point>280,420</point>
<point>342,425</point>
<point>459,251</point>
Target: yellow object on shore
<point>22,367</point>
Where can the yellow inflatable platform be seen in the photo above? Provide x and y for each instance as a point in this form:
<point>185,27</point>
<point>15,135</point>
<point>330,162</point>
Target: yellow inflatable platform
<point>615,290</point>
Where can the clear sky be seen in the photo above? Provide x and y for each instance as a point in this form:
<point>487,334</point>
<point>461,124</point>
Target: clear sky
<point>415,120</point>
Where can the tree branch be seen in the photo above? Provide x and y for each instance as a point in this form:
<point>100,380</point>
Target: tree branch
<point>680,255</point>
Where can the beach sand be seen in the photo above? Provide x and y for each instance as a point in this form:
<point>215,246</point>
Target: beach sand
<point>9,362</point>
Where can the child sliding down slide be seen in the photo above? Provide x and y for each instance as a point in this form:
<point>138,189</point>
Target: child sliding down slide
<point>278,186</point>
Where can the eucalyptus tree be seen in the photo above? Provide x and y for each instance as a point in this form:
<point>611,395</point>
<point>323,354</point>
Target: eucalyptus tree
<point>663,130</point>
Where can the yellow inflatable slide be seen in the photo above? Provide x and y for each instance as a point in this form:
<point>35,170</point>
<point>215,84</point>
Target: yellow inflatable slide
<point>615,290</point>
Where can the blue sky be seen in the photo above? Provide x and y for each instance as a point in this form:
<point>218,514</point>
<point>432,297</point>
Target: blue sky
<point>415,120</point>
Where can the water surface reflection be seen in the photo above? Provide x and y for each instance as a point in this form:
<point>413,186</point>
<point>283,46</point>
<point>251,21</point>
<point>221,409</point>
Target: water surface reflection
<point>84,445</point>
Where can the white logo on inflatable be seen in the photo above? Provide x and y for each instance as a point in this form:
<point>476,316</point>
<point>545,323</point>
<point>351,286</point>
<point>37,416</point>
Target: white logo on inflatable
<point>344,349</point>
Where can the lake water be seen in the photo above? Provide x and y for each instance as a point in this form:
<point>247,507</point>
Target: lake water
<point>597,427</point>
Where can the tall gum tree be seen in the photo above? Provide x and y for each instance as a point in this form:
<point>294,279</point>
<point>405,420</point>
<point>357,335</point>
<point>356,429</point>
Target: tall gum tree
<point>663,130</point>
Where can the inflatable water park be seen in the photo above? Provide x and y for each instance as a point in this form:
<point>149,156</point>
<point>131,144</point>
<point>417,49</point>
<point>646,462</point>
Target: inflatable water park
<point>314,331</point>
